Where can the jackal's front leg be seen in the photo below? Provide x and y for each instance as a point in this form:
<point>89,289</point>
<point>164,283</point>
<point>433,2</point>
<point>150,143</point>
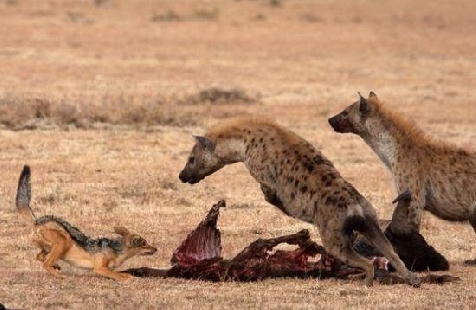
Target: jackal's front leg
<point>57,251</point>
<point>101,267</point>
<point>106,272</point>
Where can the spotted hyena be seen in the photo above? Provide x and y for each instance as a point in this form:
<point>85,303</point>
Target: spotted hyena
<point>440,176</point>
<point>297,179</point>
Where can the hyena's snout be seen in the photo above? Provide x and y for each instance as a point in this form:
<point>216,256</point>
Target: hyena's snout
<point>183,176</point>
<point>187,177</point>
<point>340,123</point>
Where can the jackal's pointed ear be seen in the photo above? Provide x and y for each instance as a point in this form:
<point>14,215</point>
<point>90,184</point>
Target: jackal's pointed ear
<point>122,231</point>
<point>205,142</point>
<point>364,106</point>
<point>372,95</point>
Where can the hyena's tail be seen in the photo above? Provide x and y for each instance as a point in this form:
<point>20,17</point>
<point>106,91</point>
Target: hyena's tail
<point>355,220</point>
<point>354,223</point>
<point>24,195</point>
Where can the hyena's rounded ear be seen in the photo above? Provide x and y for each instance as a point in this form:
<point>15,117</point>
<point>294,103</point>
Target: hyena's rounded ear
<point>205,142</point>
<point>122,231</point>
<point>364,106</point>
<point>372,95</point>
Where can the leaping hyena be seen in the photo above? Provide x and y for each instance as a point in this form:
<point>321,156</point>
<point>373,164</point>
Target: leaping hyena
<point>440,176</point>
<point>300,181</point>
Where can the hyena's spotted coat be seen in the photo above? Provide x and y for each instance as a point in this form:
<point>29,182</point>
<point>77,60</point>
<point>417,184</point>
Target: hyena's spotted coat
<point>441,177</point>
<point>299,180</point>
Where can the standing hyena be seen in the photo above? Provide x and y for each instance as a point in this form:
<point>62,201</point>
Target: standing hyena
<point>441,177</point>
<point>300,181</point>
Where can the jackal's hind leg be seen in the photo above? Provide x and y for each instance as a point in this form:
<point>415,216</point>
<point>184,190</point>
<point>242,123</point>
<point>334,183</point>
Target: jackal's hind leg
<point>42,245</point>
<point>41,256</point>
<point>57,251</point>
<point>44,251</point>
<point>58,243</point>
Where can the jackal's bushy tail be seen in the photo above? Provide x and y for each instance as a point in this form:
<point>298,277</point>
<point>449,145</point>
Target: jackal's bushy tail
<point>24,195</point>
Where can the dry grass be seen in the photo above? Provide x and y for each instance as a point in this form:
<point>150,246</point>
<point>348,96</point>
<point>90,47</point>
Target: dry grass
<point>132,111</point>
<point>106,81</point>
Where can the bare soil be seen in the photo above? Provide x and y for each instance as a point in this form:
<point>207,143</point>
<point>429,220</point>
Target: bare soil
<point>101,98</point>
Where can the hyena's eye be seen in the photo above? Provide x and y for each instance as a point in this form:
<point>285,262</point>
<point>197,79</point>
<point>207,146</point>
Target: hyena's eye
<point>191,160</point>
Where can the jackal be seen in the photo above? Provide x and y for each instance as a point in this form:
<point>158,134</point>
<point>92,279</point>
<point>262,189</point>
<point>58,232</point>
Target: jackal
<point>59,240</point>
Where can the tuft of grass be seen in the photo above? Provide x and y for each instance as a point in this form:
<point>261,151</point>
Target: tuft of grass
<point>206,14</point>
<point>220,96</point>
<point>275,3</point>
<point>169,16</point>
<point>11,2</point>
<point>77,17</point>
<point>101,2</point>
<point>311,18</point>
<point>259,17</point>
<point>201,14</point>
<point>37,111</point>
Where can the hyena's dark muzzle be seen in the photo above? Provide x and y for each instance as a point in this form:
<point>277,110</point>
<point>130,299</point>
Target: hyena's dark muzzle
<point>187,177</point>
<point>184,176</point>
<point>341,123</point>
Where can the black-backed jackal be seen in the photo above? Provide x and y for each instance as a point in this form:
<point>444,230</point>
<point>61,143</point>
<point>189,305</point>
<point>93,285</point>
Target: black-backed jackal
<point>59,240</point>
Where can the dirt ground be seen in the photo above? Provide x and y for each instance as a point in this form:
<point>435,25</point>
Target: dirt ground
<point>101,98</point>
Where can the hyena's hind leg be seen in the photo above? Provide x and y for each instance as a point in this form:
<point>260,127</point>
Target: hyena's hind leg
<point>341,248</point>
<point>378,239</point>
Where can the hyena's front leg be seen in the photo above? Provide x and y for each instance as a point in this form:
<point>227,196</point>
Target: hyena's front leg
<point>400,224</point>
<point>472,221</point>
<point>405,225</point>
<point>271,197</point>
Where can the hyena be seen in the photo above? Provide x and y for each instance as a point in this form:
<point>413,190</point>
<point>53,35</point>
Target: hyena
<point>299,180</point>
<point>440,176</point>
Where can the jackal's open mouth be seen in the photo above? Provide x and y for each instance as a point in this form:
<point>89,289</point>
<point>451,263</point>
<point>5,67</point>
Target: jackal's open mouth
<point>149,252</point>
